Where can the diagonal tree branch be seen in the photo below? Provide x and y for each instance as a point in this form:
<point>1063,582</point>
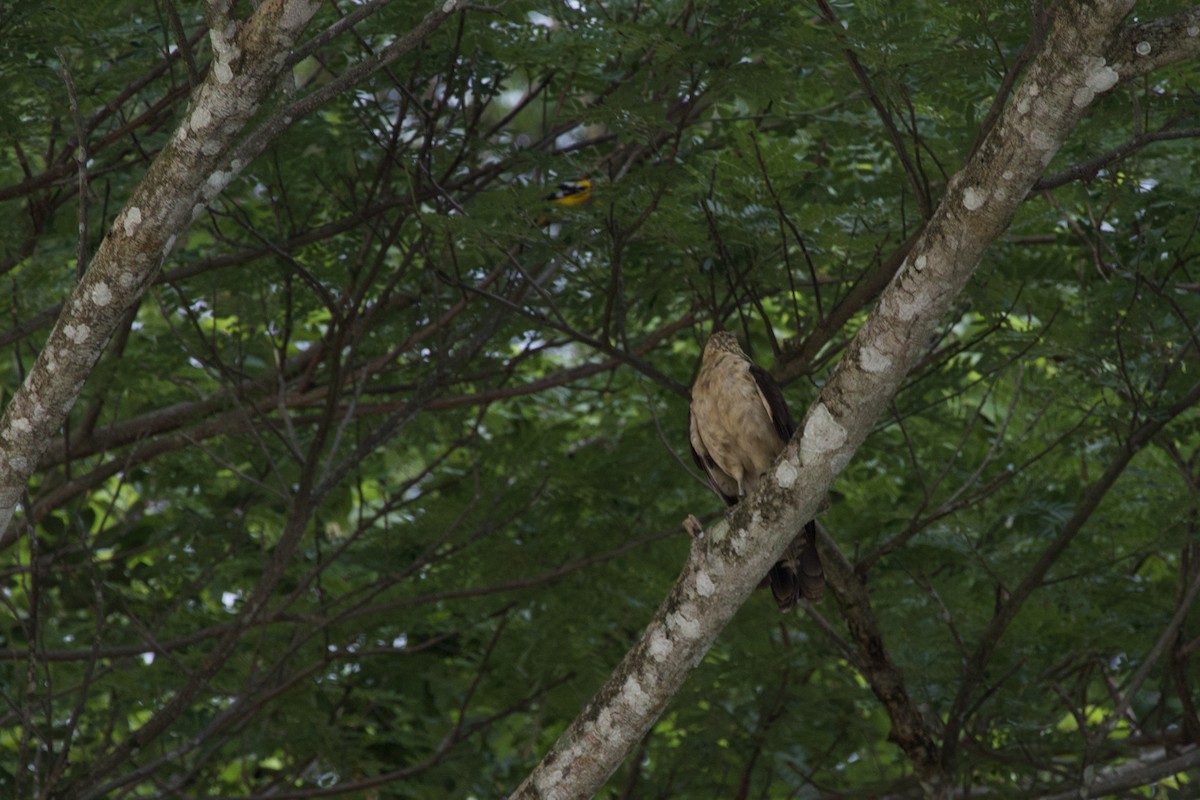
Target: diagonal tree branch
<point>726,564</point>
<point>200,160</point>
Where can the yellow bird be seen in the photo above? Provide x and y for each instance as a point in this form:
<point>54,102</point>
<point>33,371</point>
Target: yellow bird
<point>572,193</point>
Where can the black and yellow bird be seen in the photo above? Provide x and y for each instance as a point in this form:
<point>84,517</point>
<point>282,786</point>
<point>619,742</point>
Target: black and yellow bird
<point>738,423</point>
<point>572,193</point>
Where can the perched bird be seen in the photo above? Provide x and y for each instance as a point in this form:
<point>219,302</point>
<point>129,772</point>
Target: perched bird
<point>572,193</point>
<point>738,423</point>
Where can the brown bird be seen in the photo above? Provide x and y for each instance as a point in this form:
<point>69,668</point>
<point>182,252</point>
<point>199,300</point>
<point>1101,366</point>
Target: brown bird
<point>738,423</point>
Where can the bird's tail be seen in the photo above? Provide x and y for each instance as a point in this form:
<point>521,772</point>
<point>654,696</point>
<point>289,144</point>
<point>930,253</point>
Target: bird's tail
<point>799,573</point>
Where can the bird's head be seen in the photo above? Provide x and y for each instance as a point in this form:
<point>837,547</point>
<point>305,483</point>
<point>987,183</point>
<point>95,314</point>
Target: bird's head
<point>723,342</point>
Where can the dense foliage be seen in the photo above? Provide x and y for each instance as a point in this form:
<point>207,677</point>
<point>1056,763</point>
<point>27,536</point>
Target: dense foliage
<point>386,473</point>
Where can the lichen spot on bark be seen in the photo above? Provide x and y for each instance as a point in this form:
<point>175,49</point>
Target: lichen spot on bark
<point>786,474</point>
<point>873,360</point>
<point>133,218</point>
<point>200,118</point>
<point>1143,48</point>
<point>1193,30</point>
<point>822,434</point>
<point>547,780</point>
<point>217,181</point>
<point>704,585</point>
<point>660,646</point>
<point>635,696</point>
<point>973,199</point>
<point>1101,77</point>
<point>77,333</point>
<point>101,294</point>
<point>683,623</point>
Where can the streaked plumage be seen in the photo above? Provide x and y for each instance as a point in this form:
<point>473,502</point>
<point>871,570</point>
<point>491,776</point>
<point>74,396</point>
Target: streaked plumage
<point>738,423</point>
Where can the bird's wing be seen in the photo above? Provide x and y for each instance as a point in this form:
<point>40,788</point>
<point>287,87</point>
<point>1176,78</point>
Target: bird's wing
<point>720,481</point>
<point>772,397</point>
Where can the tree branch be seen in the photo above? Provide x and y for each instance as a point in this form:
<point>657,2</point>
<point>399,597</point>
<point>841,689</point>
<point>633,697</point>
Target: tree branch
<point>728,562</point>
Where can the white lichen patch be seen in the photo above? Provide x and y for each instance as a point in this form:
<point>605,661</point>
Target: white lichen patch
<point>739,542</point>
<point>1143,48</point>
<point>972,199</point>
<point>1102,77</point>
<point>704,585</point>
<point>635,696</point>
<point>77,333</point>
<point>920,262</point>
<point>1193,30</point>
<point>201,118</point>
<point>1023,104</point>
<point>786,474</point>
<point>660,646</point>
<point>603,724</point>
<point>1007,175</point>
<point>197,210</point>
<point>915,303</point>
<point>133,218</point>
<point>222,72</point>
<point>101,294</point>
<point>217,181</point>
<point>126,279</point>
<point>1098,77</point>
<point>448,6</point>
<point>873,360</point>
<point>548,780</point>
<point>21,425</point>
<point>684,623</point>
<point>822,434</point>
